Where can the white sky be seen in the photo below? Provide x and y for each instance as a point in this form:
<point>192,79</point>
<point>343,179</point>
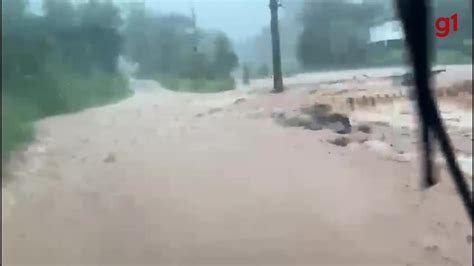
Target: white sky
<point>240,19</point>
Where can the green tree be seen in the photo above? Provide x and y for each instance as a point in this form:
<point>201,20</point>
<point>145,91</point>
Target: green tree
<point>335,33</point>
<point>163,46</point>
<point>158,43</point>
<point>225,59</point>
<point>60,14</point>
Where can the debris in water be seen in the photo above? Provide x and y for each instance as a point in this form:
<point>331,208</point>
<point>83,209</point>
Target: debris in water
<point>240,100</point>
<point>338,123</point>
<point>340,141</point>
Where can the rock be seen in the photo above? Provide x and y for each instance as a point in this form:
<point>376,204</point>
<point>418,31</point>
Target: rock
<point>240,100</point>
<point>364,128</point>
<point>314,118</point>
<point>336,126</point>
<point>338,123</point>
<point>340,141</point>
<point>110,158</point>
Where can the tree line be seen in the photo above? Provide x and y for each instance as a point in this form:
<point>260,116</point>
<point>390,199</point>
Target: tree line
<point>336,34</point>
<point>65,59</point>
<point>172,50</point>
<point>319,35</point>
<point>61,61</point>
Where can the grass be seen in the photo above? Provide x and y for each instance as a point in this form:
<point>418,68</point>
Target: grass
<point>197,85</point>
<point>28,99</point>
<point>17,126</point>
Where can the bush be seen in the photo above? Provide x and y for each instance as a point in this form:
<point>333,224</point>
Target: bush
<point>99,88</point>
<point>200,85</point>
<point>27,99</point>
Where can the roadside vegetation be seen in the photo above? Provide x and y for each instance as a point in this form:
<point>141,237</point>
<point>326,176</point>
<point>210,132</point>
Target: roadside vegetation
<point>59,62</point>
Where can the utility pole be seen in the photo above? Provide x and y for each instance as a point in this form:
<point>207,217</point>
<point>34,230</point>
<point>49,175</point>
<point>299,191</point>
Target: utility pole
<point>277,76</point>
<point>194,62</point>
<point>194,29</point>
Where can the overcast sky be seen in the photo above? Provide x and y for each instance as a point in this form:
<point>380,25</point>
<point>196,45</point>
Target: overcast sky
<point>240,19</point>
